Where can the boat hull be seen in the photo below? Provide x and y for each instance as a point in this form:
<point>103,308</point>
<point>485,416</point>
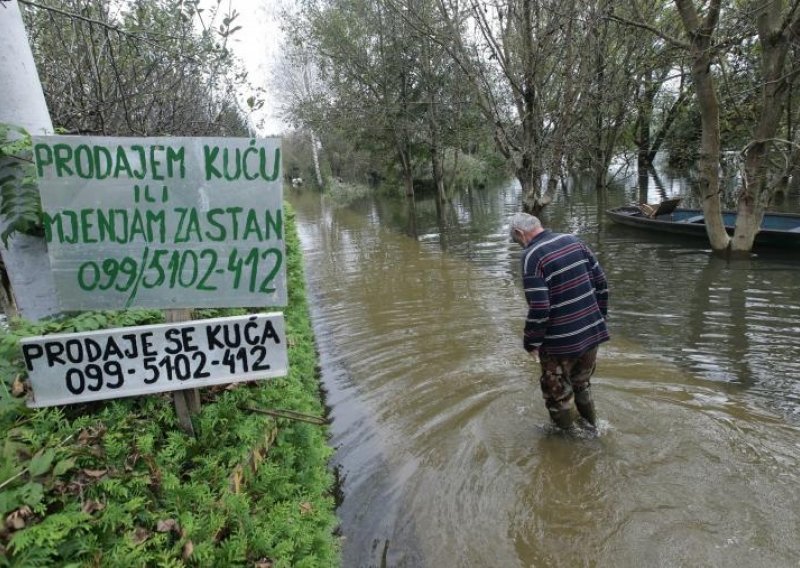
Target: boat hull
<point>778,229</point>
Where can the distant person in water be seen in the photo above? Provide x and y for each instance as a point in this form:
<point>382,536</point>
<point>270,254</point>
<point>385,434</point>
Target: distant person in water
<point>567,296</point>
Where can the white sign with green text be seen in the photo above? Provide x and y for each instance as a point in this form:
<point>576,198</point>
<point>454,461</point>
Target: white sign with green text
<point>163,222</point>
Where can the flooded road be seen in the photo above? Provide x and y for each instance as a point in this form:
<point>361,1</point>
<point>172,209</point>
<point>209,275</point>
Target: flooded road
<point>442,437</point>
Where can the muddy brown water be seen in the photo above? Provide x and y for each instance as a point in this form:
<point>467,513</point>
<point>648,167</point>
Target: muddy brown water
<point>441,437</point>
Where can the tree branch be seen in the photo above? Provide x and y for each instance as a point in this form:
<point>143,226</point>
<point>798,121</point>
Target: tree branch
<point>106,25</point>
<point>75,16</point>
<point>791,25</point>
<point>645,26</point>
<point>711,19</point>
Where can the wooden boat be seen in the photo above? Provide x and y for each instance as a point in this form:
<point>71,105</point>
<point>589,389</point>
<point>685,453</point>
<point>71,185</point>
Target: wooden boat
<point>777,229</point>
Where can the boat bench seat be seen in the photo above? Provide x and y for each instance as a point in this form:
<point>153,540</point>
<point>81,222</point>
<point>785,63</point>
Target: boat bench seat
<point>695,219</point>
<point>663,208</point>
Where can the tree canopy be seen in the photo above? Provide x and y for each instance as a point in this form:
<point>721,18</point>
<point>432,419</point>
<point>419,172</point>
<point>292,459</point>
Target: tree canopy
<point>143,68</point>
<point>558,89</point>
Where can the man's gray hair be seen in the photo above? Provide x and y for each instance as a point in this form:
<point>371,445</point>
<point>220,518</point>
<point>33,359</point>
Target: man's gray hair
<point>525,222</point>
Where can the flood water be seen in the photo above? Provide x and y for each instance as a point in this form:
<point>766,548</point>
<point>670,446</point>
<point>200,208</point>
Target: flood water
<point>441,435</point>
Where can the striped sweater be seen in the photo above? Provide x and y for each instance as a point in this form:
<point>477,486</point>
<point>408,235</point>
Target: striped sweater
<point>567,296</point>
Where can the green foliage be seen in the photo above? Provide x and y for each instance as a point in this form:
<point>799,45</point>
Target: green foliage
<point>383,96</point>
<point>344,193</point>
<point>20,206</point>
<point>117,484</point>
<point>472,169</point>
<point>683,140</point>
<point>391,87</point>
<point>158,67</point>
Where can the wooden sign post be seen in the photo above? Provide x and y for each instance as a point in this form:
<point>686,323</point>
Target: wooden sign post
<point>187,402</point>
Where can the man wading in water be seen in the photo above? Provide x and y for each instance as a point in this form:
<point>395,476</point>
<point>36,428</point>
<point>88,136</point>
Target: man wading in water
<point>567,298</point>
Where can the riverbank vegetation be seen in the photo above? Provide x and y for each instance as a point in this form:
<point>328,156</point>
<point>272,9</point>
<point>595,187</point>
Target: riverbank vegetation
<point>553,89</point>
<point>117,484</point>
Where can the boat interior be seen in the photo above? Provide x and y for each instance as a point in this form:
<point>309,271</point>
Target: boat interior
<point>666,207</point>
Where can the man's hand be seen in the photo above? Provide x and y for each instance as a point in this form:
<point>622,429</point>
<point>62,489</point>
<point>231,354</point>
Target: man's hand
<point>534,354</point>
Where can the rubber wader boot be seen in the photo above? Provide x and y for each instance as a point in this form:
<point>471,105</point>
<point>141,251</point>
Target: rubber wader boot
<point>585,404</point>
<point>564,415</point>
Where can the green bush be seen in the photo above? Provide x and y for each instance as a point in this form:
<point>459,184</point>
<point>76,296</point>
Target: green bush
<point>118,484</point>
<point>344,193</point>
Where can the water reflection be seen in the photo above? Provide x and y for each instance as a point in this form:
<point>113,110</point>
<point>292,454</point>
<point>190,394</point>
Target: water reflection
<point>441,432</point>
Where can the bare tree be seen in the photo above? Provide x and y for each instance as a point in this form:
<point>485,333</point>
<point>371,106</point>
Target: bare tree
<point>507,50</point>
<point>302,92</point>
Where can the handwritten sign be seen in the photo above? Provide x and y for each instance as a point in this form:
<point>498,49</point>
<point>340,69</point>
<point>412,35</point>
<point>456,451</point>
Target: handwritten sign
<point>80,367</point>
<point>163,222</point>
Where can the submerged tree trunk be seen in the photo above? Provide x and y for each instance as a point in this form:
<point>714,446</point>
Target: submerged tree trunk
<point>437,169</point>
<point>554,174</point>
<point>607,153</point>
<point>756,192</point>
<point>709,188</point>
<point>644,117</point>
<point>529,172</point>
<point>438,174</point>
<point>315,147</point>
<point>454,177</point>
<point>530,178</point>
<point>600,170</point>
<point>701,34</point>
<point>408,172</point>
